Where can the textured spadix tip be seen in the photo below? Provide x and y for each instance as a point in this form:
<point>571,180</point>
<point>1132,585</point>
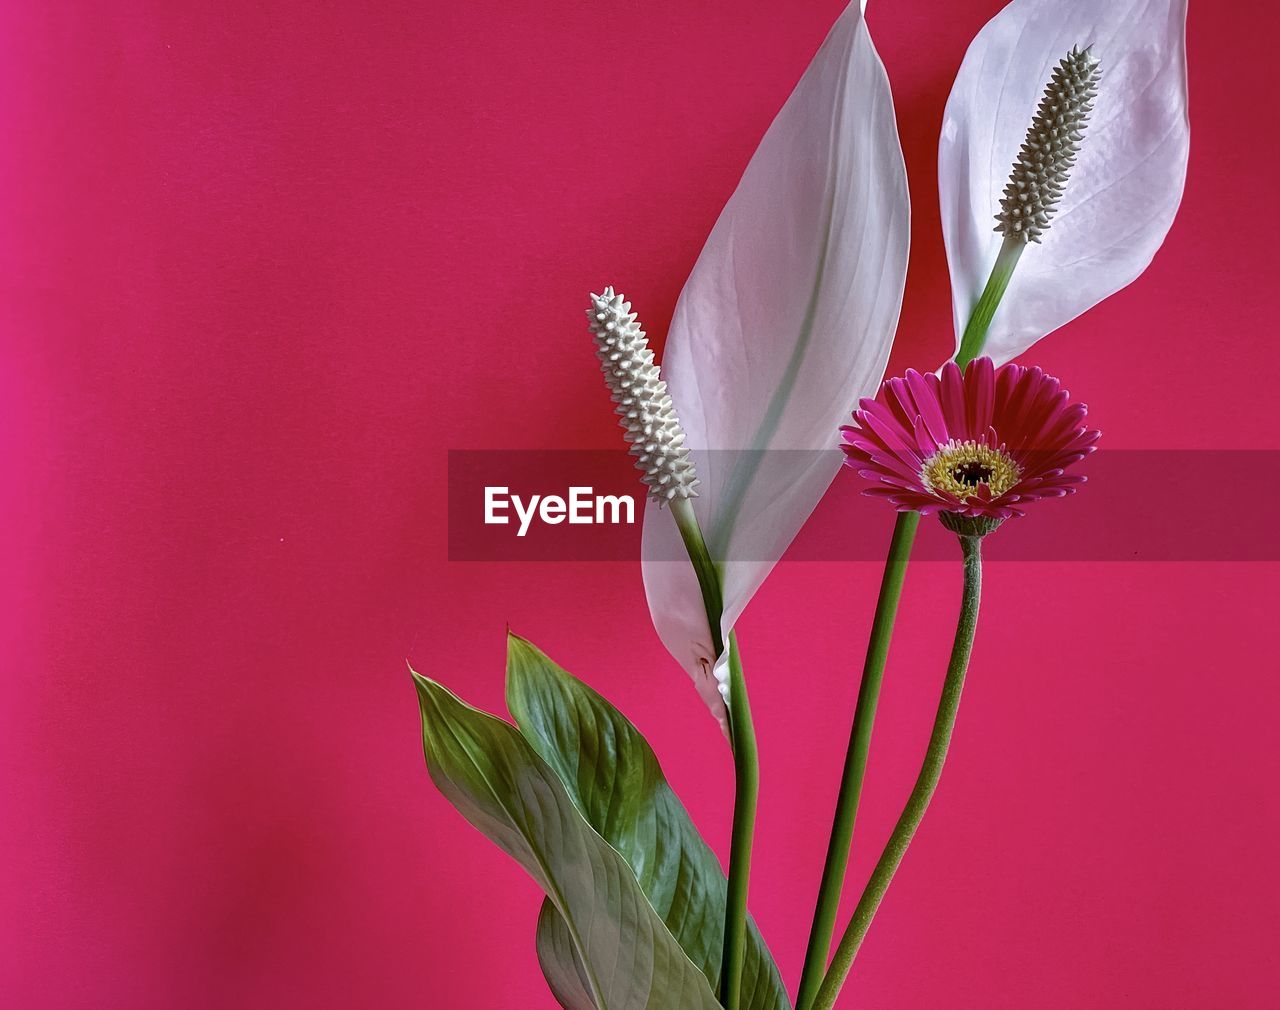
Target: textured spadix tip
<point>642,403</point>
<point>1039,176</point>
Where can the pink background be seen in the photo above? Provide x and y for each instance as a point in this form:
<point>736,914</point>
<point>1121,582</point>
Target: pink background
<point>263,264</point>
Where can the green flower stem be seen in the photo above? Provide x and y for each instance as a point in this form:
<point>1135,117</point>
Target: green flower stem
<point>703,566</point>
<point>746,762</point>
<point>975,331</point>
<point>926,783</point>
<point>855,761</point>
<point>746,769</point>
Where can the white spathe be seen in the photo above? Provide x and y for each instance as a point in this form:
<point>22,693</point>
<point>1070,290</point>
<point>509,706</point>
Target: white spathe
<point>786,320</point>
<point>1125,188</point>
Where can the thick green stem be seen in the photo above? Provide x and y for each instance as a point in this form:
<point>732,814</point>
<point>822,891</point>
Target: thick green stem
<point>975,332</point>
<point>746,763</point>
<point>704,567</point>
<point>855,761</point>
<point>926,782</point>
<point>746,768</point>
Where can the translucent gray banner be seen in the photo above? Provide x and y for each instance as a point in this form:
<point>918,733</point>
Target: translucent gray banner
<point>1138,505</point>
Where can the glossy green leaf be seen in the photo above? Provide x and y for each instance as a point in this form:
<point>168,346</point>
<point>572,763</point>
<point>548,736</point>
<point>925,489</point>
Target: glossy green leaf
<point>614,778</point>
<point>490,773</point>
<point>563,968</point>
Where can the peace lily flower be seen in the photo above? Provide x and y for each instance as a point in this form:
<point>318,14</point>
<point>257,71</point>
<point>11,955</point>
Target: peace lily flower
<point>643,405</point>
<point>657,440</point>
<point>1097,234</point>
<point>984,443</point>
<point>786,320</point>
<point>1044,164</point>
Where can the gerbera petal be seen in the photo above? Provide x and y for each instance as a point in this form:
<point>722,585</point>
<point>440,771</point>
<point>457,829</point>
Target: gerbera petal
<point>865,438</point>
<point>980,391</point>
<point>1038,407</point>
<point>885,475</point>
<point>1009,420</point>
<point>890,416</point>
<point>1006,379</point>
<point>1060,461</point>
<point>896,466</point>
<point>878,455</point>
<point>894,438</point>
<point>951,396</point>
<point>884,491</point>
<point>925,441</point>
<point>1065,428</point>
<point>928,407</point>
<point>900,401</point>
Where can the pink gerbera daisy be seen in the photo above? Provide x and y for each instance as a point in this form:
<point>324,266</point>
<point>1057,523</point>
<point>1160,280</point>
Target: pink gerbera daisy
<point>983,443</point>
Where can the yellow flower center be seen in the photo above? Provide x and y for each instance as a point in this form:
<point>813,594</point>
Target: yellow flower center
<point>957,469</point>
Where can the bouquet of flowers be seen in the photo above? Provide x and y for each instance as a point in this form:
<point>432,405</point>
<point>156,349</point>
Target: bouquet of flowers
<point>1061,166</point>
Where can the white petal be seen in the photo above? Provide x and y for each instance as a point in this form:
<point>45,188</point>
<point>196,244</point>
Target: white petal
<point>786,320</point>
<point>1125,188</point>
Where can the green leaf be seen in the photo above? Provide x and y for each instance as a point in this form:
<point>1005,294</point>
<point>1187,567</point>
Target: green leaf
<point>614,778</point>
<point>490,773</point>
<point>563,968</point>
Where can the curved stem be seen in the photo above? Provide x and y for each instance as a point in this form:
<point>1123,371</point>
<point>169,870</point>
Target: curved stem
<point>975,331</point>
<point>926,782</point>
<point>855,761</point>
<point>704,568</point>
<point>746,767</point>
<point>746,761</point>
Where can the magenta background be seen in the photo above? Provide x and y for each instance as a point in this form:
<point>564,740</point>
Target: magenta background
<point>262,264</point>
